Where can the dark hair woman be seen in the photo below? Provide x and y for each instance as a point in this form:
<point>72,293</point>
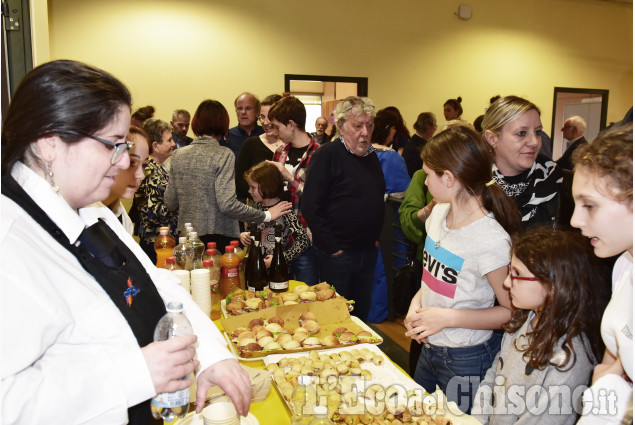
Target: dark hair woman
<point>85,295</point>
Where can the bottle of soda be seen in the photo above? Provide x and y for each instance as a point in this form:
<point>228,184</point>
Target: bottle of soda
<point>258,276</point>
<point>171,406</point>
<point>180,253</point>
<point>170,263</point>
<point>278,270</point>
<point>214,276</point>
<point>229,280</point>
<point>163,245</point>
<point>241,267</point>
<point>195,250</point>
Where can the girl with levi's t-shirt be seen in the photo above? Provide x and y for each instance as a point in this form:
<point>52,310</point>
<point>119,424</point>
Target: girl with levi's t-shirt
<point>465,262</point>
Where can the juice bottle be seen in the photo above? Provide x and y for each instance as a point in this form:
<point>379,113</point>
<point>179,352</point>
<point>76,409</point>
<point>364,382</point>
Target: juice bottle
<point>164,246</point>
<point>170,263</point>
<point>241,267</point>
<point>229,280</point>
<point>214,275</point>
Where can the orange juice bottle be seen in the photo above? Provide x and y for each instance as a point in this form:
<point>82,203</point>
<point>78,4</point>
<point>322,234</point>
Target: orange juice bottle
<point>229,280</point>
<point>164,246</point>
<point>241,267</point>
<point>214,275</point>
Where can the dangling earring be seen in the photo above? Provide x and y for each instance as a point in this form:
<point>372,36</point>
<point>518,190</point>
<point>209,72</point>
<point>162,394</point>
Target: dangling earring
<point>49,170</point>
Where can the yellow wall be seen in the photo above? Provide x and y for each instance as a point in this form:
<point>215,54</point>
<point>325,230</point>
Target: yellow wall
<point>415,53</point>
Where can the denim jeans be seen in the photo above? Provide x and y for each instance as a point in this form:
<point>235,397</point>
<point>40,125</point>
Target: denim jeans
<point>304,268</point>
<point>352,273</point>
<point>457,371</point>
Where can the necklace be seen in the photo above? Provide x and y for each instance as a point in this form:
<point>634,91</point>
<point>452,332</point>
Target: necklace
<point>437,244</point>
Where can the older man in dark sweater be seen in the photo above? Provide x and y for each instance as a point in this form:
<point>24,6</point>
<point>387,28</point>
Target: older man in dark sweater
<point>344,204</point>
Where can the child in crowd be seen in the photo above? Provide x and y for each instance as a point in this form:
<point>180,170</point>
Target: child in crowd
<point>603,194</point>
<point>465,262</point>
<point>552,340</point>
<point>265,186</point>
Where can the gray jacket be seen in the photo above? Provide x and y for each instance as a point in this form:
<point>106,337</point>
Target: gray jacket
<point>202,188</point>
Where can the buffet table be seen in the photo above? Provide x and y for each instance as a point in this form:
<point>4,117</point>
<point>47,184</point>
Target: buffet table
<point>273,410</point>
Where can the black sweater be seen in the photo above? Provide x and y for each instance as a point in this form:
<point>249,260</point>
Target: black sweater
<point>343,200</point>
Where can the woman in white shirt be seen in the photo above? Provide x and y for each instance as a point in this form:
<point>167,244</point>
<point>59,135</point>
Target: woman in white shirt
<point>603,194</point>
<point>80,300</point>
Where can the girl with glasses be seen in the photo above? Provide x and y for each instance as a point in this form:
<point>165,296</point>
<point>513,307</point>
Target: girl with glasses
<point>552,340</point>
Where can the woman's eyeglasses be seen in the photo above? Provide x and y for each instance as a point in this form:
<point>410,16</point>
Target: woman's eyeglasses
<point>512,277</point>
<point>119,148</point>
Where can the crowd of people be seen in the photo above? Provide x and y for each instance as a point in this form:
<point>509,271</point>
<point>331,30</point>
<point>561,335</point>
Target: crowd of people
<point>521,284</point>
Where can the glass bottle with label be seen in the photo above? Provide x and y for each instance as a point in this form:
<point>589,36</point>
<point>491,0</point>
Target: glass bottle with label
<point>278,270</point>
<point>258,278</point>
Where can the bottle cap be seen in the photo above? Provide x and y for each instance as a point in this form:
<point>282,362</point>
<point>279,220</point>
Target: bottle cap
<point>213,251</point>
<point>193,235</point>
<point>170,259</point>
<point>174,307</point>
<point>209,252</point>
<point>182,239</point>
<point>229,248</point>
<point>208,263</point>
<point>164,231</point>
<point>211,245</point>
<point>187,225</point>
<point>234,243</point>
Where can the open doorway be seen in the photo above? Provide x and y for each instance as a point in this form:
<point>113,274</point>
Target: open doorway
<point>590,104</point>
<point>321,93</point>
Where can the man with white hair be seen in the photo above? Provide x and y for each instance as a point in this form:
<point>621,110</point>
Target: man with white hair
<point>319,134</point>
<point>572,130</point>
<point>343,204</point>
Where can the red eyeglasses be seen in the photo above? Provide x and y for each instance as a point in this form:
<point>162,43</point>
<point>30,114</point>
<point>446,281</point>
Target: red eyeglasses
<point>512,277</point>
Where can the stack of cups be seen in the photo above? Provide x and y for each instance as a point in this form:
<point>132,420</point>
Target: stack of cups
<point>201,293</point>
<point>184,278</point>
<point>221,413</point>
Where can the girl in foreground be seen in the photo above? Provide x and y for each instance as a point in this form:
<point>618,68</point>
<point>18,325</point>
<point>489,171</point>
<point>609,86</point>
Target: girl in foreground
<point>552,340</point>
<point>465,262</point>
<point>603,194</point>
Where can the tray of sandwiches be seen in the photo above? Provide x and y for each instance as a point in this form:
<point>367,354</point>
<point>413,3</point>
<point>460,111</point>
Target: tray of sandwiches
<point>359,385</point>
<point>295,328</point>
<point>240,301</point>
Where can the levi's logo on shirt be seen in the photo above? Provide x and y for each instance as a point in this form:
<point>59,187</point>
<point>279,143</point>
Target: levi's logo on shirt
<point>440,269</point>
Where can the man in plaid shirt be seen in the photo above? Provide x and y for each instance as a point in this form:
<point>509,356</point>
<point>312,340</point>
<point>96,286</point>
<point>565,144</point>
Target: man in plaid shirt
<point>288,116</point>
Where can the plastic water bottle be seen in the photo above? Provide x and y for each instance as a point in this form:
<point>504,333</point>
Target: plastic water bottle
<point>185,233</point>
<point>171,406</point>
<point>194,250</point>
<point>303,401</point>
<point>180,253</point>
<point>320,416</point>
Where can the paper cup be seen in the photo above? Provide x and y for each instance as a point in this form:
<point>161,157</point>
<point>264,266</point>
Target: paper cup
<point>184,278</point>
<point>221,413</point>
<point>201,294</point>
